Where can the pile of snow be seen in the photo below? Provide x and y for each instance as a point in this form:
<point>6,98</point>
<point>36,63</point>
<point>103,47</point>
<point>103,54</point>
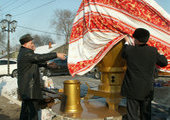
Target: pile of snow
<point>47,114</point>
<point>8,86</point>
<point>45,49</point>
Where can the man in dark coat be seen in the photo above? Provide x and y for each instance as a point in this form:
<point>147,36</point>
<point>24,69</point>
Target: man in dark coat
<point>29,87</point>
<point>137,86</point>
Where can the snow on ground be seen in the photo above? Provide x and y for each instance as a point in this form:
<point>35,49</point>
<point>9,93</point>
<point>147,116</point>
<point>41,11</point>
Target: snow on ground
<point>8,88</point>
<point>45,49</point>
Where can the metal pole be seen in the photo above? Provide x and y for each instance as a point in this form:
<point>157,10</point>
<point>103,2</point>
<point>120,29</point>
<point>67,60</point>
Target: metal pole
<point>8,47</point>
<point>4,28</point>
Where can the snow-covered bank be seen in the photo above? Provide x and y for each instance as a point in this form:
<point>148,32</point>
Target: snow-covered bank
<point>8,89</point>
<point>8,86</point>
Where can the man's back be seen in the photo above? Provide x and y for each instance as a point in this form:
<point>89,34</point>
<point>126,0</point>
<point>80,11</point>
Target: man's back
<point>141,63</point>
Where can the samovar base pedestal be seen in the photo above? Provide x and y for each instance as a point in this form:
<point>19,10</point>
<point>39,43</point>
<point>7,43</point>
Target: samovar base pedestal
<point>112,99</point>
<point>93,109</point>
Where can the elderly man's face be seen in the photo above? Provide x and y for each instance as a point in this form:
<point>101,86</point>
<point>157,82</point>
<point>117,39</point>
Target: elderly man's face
<point>30,45</point>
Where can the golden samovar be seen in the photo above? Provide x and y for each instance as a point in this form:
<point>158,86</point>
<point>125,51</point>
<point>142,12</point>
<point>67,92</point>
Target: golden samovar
<point>112,68</point>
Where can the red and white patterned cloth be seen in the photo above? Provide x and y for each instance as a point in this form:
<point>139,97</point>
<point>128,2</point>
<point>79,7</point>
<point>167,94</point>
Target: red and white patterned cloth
<point>101,24</point>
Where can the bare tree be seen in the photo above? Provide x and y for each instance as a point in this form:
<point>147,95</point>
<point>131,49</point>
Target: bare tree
<point>46,39</point>
<point>37,40</point>
<point>15,47</point>
<point>62,22</point>
<point>40,40</point>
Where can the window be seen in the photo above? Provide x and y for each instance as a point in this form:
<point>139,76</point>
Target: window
<point>3,62</point>
<point>58,62</point>
<point>12,62</point>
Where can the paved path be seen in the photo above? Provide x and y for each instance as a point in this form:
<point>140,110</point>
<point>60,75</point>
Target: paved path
<point>161,111</point>
<point>8,110</point>
<point>160,105</point>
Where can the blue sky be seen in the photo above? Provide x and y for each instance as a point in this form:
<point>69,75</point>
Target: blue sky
<point>40,18</point>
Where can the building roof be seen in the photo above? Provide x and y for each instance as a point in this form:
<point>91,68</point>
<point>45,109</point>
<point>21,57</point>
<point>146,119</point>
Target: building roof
<point>45,49</point>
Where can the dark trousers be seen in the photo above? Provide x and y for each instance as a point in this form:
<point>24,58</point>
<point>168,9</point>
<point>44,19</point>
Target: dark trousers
<point>29,110</point>
<point>138,110</point>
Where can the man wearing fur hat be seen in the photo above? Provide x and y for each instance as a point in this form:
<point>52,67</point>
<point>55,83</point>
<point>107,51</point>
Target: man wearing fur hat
<point>29,77</point>
<point>137,85</point>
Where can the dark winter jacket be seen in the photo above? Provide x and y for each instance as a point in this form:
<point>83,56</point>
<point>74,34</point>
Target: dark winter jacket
<point>28,72</point>
<point>139,77</point>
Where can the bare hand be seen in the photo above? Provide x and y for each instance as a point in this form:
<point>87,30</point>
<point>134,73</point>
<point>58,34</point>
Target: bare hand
<point>161,52</point>
<point>127,39</point>
<point>61,56</point>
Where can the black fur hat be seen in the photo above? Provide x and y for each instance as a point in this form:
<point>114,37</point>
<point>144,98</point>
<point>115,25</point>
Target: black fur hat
<point>25,38</point>
<point>141,34</point>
